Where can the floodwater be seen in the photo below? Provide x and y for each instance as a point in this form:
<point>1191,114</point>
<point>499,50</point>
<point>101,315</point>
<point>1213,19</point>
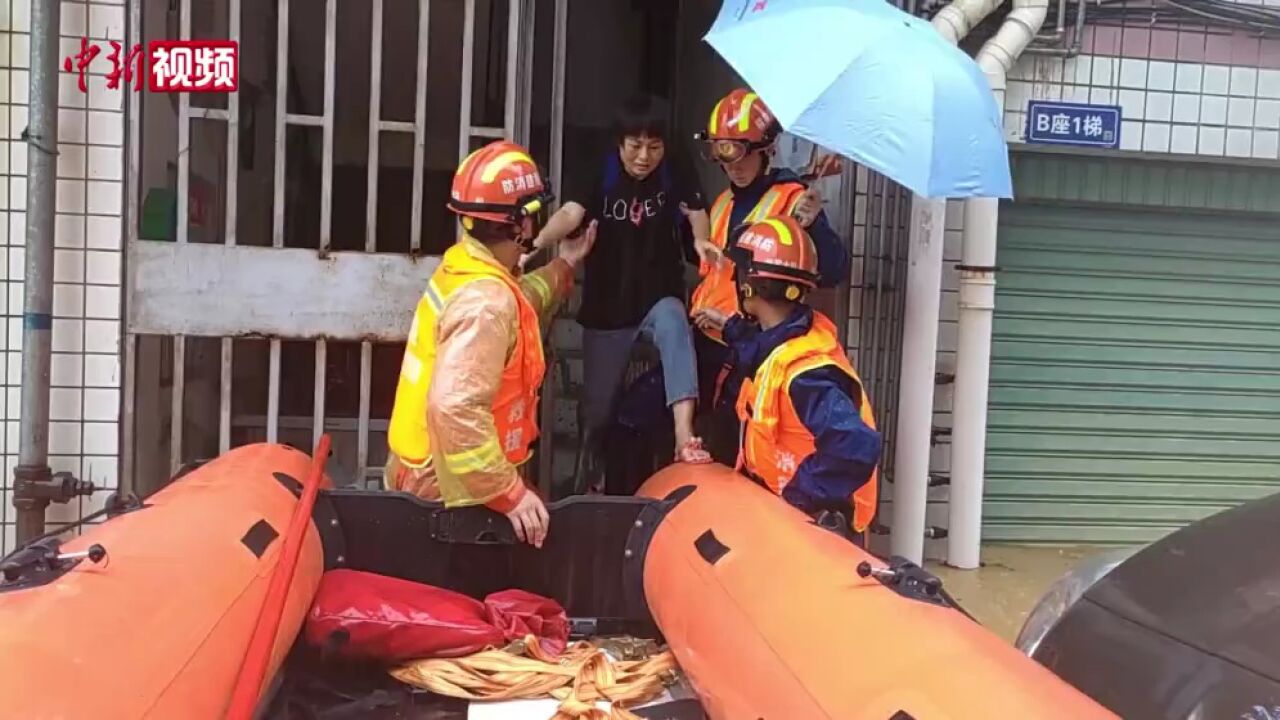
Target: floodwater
<point>1012,578</point>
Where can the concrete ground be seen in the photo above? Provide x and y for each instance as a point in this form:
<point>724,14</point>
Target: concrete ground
<point>1011,580</point>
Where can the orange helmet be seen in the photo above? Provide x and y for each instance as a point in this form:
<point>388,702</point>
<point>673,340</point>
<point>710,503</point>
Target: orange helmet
<point>739,124</point>
<point>776,248</point>
<point>500,182</point>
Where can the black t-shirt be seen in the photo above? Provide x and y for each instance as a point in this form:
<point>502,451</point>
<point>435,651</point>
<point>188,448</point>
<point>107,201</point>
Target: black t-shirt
<point>640,249</point>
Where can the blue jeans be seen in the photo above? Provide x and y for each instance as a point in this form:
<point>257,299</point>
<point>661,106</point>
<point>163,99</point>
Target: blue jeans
<point>606,353</point>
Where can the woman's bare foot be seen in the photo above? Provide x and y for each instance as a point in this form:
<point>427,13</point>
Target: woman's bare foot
<point>692,452</point>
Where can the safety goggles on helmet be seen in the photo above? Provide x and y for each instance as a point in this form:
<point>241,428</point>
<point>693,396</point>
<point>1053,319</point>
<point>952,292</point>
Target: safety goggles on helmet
<point>727,150</point>
<point>535,206</point>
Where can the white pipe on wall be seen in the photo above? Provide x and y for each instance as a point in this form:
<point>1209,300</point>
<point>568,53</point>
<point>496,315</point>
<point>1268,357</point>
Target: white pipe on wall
<point>977,303</point>
<point>920,334</point>
<point>916,380</point>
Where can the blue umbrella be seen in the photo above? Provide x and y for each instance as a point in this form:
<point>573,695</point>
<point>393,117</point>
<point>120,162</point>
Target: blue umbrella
<point>877,85</point>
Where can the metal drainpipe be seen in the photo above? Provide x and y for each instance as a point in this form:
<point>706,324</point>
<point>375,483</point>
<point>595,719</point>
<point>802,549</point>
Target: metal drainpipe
<point>34,485</point>
<point>977,302</point>
<point>920,334</point>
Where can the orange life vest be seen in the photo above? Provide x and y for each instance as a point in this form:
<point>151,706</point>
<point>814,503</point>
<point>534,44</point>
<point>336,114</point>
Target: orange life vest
<point>774,440</point>
<point>717,289</point>
<point>514,406</point>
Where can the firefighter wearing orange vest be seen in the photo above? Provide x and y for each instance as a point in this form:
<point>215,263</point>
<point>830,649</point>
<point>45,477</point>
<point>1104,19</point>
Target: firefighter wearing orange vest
<point>741,136</point>
<point>465,414</point>
<point>808,431</point>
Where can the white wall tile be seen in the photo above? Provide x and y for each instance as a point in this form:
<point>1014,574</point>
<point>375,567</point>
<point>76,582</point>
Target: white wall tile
<point>1217,79</point>
<point>15,334</point>
<point>102,267</point>
<point>103,98</point>
<point>1212,140</point>
<point>64,403</point>
<point>19,19</point>
<point>106,23</point>
<point>101,437</point>
<point>1155,137</point>
<point>17,263</point>
<point>68,266</point>
<point>103,233</point>
<point>106,163</point>
<point>1186,108</point>
<point>1244,81</point>
<point>102,301</point>
<point>1133,73</point>
<point>1184,139</point>
<point>1131,135</point>
<point>1213,110</point>
<point>102,336</point>
<point>1267,114</point>
<point>71,126</point>
<point>1160,75</point>
<point>1102,96</point>
<point>101,471</point>
<point>101,371</point>
<point>68,231</point>
<point>1081,69</point>
<point>68,335</point>
<point>64,368</point>
<point>70,196</point>
<point>64,439</point>
<point>1105,71</point>
<point>71,160</point>
<point>1075,93</point>
<point>13,368</point>
<point>1240,112</point>
<point>69,95</point>
<point>1266,144</point>
<point>18,193</point>
<point>1159,106</point>
<point>105,197</point>
<point>14,301</point>
<point>1132,104</point>
<point>1239,142</point>
<point>101,404</point>
<point>19,87</point>
<point>1269,84</point>
<point>75,20</point>
<point>1188,77</point>
<point>105,127</point>
<point>68,300</point>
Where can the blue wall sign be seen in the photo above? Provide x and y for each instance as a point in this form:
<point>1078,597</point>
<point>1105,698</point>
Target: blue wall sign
<point>1062,123</point>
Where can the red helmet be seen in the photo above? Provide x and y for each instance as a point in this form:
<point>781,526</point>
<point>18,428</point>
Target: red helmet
<point>739,124</point>
<point>500,182</point>
<point>775,248</point>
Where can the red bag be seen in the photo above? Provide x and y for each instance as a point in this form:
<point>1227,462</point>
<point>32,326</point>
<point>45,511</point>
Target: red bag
<point>361,615</point>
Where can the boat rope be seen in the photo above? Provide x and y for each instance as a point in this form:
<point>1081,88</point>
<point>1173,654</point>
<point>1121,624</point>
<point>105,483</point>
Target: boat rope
<point>580,676</point>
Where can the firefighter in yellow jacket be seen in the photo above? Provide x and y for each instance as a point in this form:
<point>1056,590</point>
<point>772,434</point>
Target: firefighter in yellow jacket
<point>465,415</point>
<point>808,431</point>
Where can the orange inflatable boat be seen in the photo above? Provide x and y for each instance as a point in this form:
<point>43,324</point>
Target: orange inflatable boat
<point>149,614</point>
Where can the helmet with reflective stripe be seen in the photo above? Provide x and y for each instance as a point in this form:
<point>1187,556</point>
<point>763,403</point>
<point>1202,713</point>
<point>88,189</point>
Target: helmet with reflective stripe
<point>775,248</point>
<point>740,123</point>
<point>499,182</point>
<point>742,115</point>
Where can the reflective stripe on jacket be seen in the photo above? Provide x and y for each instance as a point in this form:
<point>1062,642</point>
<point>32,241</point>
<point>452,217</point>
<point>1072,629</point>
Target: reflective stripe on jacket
<point>509,438</point>
<point>717,289</point>
<point>774,440</point>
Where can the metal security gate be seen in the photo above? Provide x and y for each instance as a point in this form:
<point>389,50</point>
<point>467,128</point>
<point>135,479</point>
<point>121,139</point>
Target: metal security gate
<point>1135,376</point>
<point>188,289</point>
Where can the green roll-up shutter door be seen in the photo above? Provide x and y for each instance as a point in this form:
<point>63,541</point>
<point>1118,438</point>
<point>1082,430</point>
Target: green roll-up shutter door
<point>1135,378</point>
